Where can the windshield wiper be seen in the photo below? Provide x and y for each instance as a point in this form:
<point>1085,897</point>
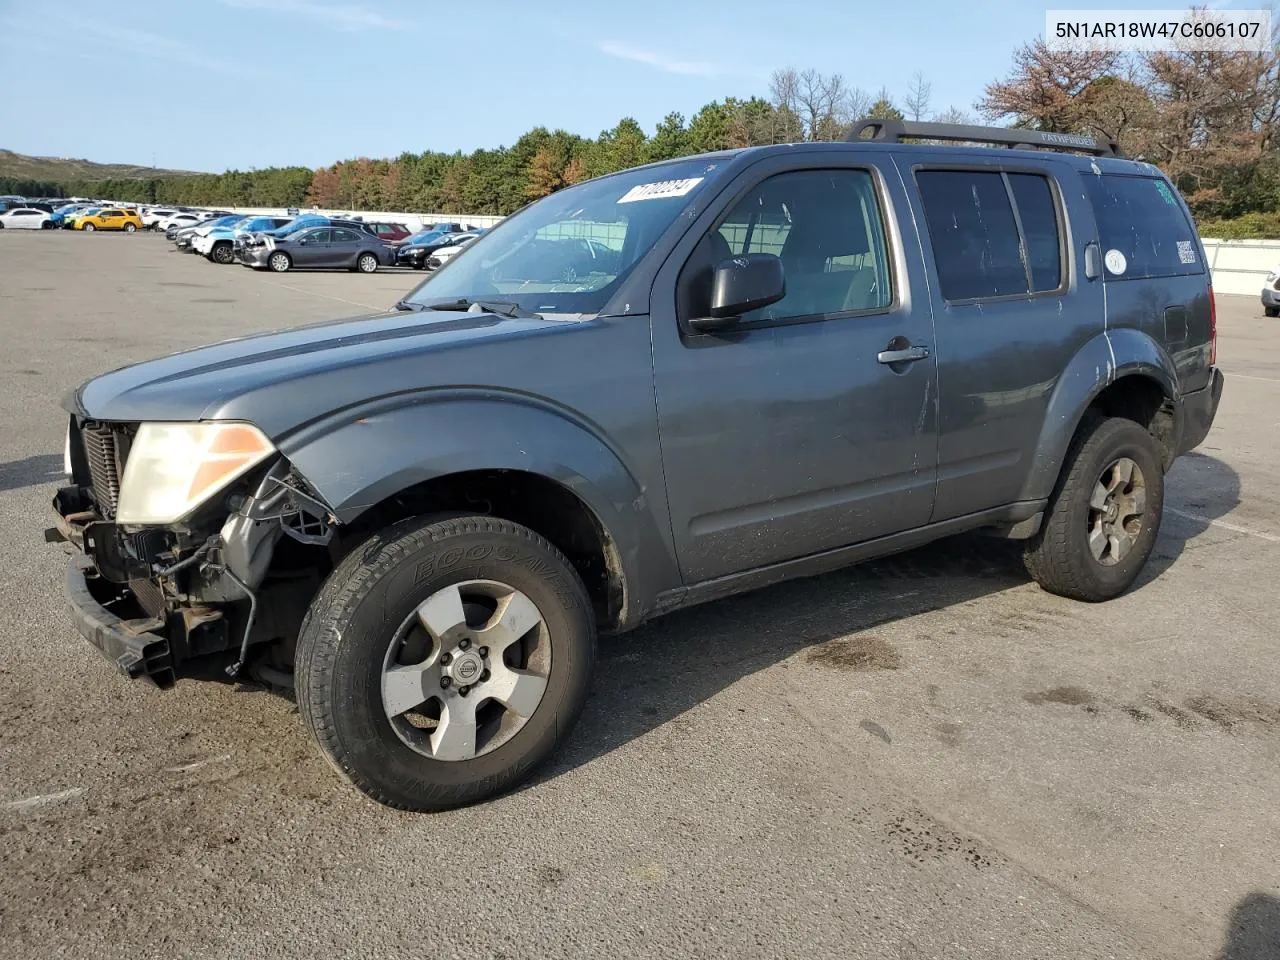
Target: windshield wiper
<point>409,305</point>
<point>503,308</point>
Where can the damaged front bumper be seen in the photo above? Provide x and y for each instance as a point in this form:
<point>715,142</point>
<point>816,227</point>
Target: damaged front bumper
<point>163,604</point>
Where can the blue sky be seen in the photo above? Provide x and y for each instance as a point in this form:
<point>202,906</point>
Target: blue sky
<point>212,84</point>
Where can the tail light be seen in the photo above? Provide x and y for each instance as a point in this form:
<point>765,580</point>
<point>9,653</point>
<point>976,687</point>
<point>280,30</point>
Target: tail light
<point>1213,329</point>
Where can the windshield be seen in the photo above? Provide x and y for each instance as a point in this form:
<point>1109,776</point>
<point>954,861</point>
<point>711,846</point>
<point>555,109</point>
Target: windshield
<point>569,252</point>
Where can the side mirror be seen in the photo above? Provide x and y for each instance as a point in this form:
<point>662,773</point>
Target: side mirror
<point>303,242</point>
<point>741,284</point>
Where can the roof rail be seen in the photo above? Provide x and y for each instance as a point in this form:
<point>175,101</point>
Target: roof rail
<point>893,131</point>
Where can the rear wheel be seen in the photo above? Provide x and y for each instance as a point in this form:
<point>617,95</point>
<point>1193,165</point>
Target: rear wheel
<point>445,660</point>
<point>366,263</point>
<point>279,262</point>
<point>1271,311</point>
<point>89,228</point>
<point>1104,515</point>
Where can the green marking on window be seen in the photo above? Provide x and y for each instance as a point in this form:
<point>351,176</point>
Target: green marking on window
<point>1165,192</point>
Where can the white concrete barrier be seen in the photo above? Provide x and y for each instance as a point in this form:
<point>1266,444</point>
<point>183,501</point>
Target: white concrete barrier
<point>1241,266</point>
<point>413,221</point>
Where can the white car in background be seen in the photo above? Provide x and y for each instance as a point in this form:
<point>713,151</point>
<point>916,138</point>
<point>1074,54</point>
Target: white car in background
<point>1271,293</point>
<point>180,220</point>
<point>445,254</point>
<point>154,215</point>
<point>25,218</point>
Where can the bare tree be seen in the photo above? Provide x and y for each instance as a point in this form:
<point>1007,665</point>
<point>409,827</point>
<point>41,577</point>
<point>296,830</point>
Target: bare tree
<point>916,102</point>
<point>825,104</point>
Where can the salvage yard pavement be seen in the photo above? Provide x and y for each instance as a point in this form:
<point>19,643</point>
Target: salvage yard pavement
<point>923,756</point>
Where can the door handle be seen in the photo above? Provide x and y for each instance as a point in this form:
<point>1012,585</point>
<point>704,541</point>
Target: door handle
<point>904,355</point>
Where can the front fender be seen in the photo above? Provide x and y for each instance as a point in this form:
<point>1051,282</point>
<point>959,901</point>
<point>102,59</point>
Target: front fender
<point>1100,362</point>
<point>360,457</point>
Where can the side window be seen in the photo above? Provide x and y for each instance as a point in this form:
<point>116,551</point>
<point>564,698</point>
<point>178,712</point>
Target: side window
<point>345,236</point>
<point>973,234</point>
<point>1039,216</point>
<point>1143,229</point>
<point>825,226</point>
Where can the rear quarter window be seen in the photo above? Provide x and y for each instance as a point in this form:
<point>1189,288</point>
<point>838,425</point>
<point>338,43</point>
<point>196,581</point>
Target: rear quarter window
<point>1143,228</point>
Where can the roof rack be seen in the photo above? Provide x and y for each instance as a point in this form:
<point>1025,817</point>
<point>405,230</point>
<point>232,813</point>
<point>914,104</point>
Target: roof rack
<point>893,131</point>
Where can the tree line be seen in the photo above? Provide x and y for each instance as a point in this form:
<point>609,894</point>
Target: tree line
<point>1208,119</point>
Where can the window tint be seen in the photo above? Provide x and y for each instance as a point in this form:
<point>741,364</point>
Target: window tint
<point>1141,219</point>
<point>345,236</point>
<point>1039,216</point>
<point>824,225</point>
<point>973,234</point>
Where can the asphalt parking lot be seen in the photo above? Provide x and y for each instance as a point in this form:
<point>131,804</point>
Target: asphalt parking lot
<point>921,757</point>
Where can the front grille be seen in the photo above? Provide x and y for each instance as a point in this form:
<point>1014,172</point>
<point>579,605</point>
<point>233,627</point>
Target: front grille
<point>105,449</point>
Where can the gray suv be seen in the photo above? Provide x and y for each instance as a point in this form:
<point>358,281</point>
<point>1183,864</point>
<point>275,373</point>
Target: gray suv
<point>794,358</point>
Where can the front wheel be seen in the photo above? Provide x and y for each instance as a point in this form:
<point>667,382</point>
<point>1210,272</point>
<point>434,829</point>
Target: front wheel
<point>1271,311</point>
<point>367,263</point>
<point>222,253</point>
<point>279,262</point>
<point>129,228</point>
<point>443,661</point>
<point>1103,518</point>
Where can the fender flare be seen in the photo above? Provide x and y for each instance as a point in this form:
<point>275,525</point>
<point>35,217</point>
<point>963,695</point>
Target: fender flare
<point>359,457</point>
<point>1102,361</point>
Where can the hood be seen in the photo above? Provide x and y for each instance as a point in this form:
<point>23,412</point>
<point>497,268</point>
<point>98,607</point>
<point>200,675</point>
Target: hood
<point>283,380</point>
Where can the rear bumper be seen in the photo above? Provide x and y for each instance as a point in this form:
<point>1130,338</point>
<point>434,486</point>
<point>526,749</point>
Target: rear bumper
<point>138,648</point>
<point>1198,411</point>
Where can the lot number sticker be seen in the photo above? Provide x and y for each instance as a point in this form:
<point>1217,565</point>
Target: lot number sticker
<point>1186,252</point>
<point>660,190</point>
<point>1115,261</point>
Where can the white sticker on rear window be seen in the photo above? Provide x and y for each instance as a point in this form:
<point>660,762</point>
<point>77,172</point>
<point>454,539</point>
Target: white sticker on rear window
<point>660,190</point>
<point>1115,261</point>
<point>1186,252</point>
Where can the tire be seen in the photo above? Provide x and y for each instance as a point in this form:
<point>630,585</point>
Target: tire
<point>129,228</point>
<point>1061,557</point>
<point>366,263</point>
<point>279,262</point>
<point>88,228</point>
<point>222,253</point>
<point>348,646</point>
<point>1271,311</point>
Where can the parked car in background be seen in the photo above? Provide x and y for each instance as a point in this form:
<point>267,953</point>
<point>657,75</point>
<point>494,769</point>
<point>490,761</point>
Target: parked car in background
<point>325,247</point>
<point>34,205</point>
<point>390,233</point>
<point>417,255</point>
<point>177,221</point>
<point>25,218</point>
<point>59,216</point>
<point>247,241</point>
<point>186,236</point>
<point>152,217</point>
<point>1271,294</point>
<point>69,222</point>
<point>112,218</point>
<point>447,253</point>
<point>218,244</point>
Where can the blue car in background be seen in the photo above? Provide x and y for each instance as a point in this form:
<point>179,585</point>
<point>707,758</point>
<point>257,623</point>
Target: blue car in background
<point>58,216</point>
<point>218,244</point>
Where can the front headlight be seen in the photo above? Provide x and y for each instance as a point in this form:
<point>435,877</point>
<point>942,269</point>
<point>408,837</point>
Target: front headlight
<point>175,467</point>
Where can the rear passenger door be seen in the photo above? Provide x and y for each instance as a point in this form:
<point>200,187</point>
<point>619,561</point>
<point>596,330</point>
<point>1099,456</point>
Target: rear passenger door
<point>346,246</point>
<point>1005,244</point>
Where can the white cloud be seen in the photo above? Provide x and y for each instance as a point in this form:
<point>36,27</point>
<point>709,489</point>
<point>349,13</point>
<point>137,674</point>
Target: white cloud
<point>343,16</point>
<point>142,43</point>
<point>659,61</point>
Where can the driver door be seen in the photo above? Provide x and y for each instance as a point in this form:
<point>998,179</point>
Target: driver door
<point>793,432</point>
<point>313,248</point>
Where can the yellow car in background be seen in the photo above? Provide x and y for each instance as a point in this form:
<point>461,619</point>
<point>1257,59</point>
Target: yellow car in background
<point>112,218</point>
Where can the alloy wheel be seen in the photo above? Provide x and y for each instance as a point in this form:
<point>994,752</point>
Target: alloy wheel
<point>466,670</point>
<point>1116,509</point>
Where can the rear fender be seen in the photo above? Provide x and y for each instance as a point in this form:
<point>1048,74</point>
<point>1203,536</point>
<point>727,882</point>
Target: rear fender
<point>1099,363</point>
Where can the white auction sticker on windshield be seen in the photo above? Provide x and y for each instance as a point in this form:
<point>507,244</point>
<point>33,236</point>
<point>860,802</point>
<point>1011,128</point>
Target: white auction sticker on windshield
<point>660,190</point>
